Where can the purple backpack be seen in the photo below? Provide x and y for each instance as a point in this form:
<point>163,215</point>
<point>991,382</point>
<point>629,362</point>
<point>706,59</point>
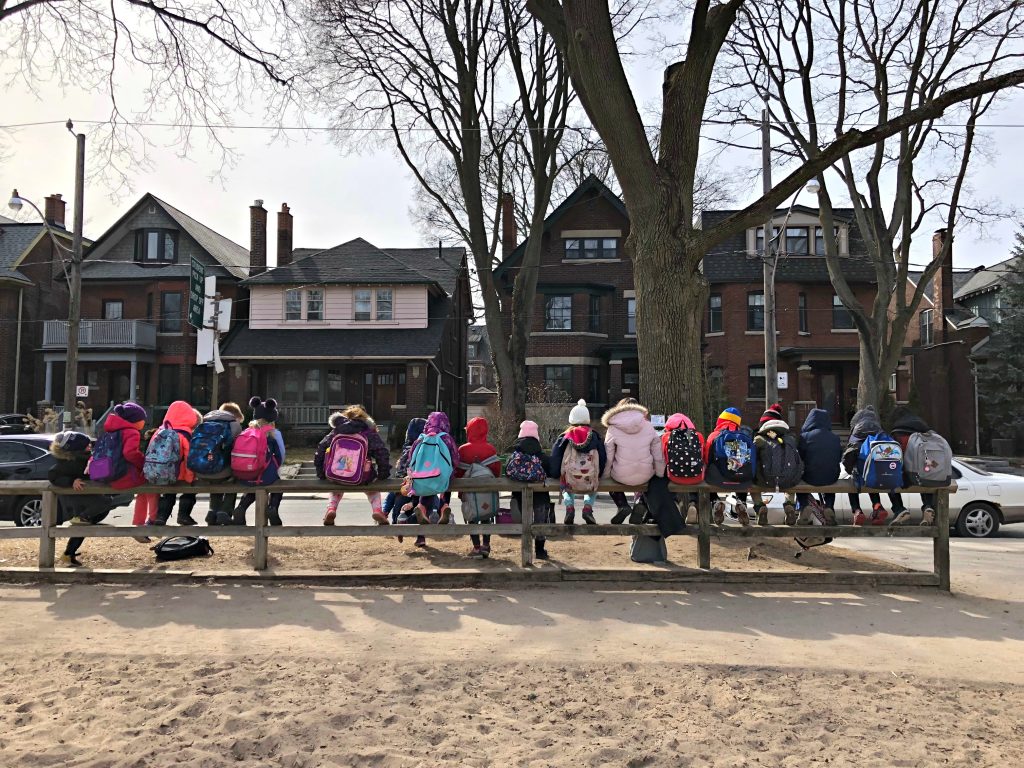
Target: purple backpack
<point>347,460</point>
<point>107,463</point>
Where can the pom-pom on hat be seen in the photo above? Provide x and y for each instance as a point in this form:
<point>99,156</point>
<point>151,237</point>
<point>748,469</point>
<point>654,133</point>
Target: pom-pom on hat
<point>130,412</point>
<point>774,413</point>
<point>529,429</point>
<point>731,414</point>
<point>580,414</point>
<point>264,409</point>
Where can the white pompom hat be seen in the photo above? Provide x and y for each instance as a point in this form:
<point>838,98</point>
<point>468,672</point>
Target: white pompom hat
<point>579,415</point>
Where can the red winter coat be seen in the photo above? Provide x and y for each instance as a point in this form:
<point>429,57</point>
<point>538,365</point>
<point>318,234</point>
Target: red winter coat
<point>131,437</point>
<point>477,450</point>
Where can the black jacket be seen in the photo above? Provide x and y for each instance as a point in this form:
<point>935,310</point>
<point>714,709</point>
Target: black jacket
<point>378,452</point>
<point>530,446</point>
<point>68,467</point>
<point>820,448</point>
<point>864,423</point>
<point>907,423</point>
<point>662,506</point>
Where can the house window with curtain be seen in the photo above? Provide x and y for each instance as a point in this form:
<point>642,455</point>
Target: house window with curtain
<point>170,312</point>
<point>797,241</point>
<point>842,320</point>
<point>315,304</point>
<point>385,305</point>
<point>592,248</point>
<point>715,313</point>
<point>759,238</point>
<point>755,311</point>
<point>558,378</point>
<point>926,319</point>
<point>801,311</point>
<point>363,302</point>
<point>594,324</point>
<point>113,309</point>
<point>156,246</point>
<point>558,313</point>
<point>293,304</point>
<point>755,381</point>
<point>631,316</point>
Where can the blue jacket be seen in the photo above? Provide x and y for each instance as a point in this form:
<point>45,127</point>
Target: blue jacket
<point>820,448</point>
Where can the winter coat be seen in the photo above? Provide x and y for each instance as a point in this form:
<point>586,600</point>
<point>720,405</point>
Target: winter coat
<point>341,425</point>
<point>69,466</point>
<point>662,506</point>
<point>438,422</point>
<point>820,448</point>
<point>530,446</point>
<point>722,425</point>
<point>864,423</point>
<point>632,445</point>
<point>134,458</point>
<point>412,433</point>
<point>592,441</point>
<point>477,450</point>
<point>182,418</point>
<point>236,429</point>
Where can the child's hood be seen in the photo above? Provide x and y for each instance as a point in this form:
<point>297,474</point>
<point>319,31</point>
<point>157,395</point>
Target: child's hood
<point>725,425</point>
<point>64,455</point>
<point>865,422</point>
<point>818,418</point>
<point>778,426</point>
<point>476,430</point>
<point>583,438</point>
<point>904,421</point>
<point>679,421</point>
<point>181,416</point>
<point>414,430</point>
<point>219,415</point>
<point>438,422</point>
<point>528,445</point>
<point>346,426</point>
<point>115,423</point>
<point>630,418</point>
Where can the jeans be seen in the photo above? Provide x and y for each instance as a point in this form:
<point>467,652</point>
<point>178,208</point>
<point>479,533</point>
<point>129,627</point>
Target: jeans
<point>186,503</point>
<point>250,498</point>
<point>828,499</point>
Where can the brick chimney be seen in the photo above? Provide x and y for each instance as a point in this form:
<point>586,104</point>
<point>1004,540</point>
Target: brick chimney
<point>508,224</point>
<point>944,283</point>
<point>54,211</point>
<point>257,238</point>
<point>284,236</point>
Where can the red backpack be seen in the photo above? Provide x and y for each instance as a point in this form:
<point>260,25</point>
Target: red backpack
<point>683,447</point>
<point>250,454</point>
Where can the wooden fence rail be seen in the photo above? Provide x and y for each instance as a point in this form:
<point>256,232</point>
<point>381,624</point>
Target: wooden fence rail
<point>705,531</point>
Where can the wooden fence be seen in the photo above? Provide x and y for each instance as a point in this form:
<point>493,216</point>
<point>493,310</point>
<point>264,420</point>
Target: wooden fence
<point>705,531</point>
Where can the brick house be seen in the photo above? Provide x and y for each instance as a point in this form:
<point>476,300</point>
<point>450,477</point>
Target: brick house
<point>135,341</point>
<point>583,338</point>
<point>818,350</point>
<point>33,289</point>
<point>482,379</point>
<point>385,327</point>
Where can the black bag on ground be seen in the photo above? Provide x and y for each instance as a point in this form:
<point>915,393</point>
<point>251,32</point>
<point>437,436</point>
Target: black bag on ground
<point>182,548</point>
<point>648,549</point>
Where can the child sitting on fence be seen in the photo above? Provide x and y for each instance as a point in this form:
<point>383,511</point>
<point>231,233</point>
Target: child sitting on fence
<point>257,457</point>
<point>210,457</point>
<point>633,450</point>
<point>166,457</point>
<point>122,434</point>
<point>478,458</point>
<point>353,438</point>
<point>72,451</point>
<point>431,466</point>
<point>527,463</point>
<point>578,461</point>
<point>866,424</point>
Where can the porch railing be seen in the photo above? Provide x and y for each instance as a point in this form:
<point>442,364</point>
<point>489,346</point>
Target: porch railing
<point>303,415</point>
<point>705,531</point>
<point>105,334</point>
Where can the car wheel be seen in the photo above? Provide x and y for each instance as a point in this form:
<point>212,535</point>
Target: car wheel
<point>977,521</point>
<point>28,512</point>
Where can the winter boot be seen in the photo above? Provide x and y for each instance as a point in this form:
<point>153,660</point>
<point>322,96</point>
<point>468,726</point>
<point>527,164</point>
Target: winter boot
<point>741,514</point>
<point>588,516</point>
<point>762,514</point>
<point>273,517</point>
<point>211,517</point>
<point>539,550</point>
<point>238,517</point>
<point>620,516</point>
<point>718,512</point>
<point>927,516</point>
<point>790,513</point>
<point>570,516</point>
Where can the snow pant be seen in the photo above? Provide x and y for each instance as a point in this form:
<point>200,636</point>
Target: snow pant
<point>248,499</point>
<point>186,503</point>
<point>337,496</point>
<point>145,508</point>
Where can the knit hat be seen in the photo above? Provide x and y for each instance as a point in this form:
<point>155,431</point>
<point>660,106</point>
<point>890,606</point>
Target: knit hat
<point>264,409</point>
<point>529,429</point>
<point>130,412</point>
<point>72,442</point>
<point>580,414</point>
<point>774,413</point>
<point>731,414</point>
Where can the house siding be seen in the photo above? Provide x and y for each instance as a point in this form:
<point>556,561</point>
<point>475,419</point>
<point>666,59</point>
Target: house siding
<point>409,303</point>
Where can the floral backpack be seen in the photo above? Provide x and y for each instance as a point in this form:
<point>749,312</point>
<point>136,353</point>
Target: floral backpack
<point>525,468</point>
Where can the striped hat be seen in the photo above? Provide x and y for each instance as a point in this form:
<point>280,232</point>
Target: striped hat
<point>731,414</point>
<point>774,413</point>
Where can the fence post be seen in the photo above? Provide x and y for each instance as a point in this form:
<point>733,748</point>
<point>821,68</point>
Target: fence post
<point>941,542</point>
<point>260,549</point>
<point>47,544</point>
<point>704,530</point>
<point>526,539</point>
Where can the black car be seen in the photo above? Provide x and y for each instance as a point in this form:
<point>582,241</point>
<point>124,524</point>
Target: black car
<point>14,424</point>
<point>27,457</point>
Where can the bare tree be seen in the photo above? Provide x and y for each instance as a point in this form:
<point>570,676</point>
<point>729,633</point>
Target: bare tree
<point>859,62</point>
<point>658,185</point>
<point>197,62</point>
<point>474,96</point>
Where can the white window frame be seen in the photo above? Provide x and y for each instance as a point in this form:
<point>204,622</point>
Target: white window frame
<point>926,329</point>
<point>378,299</point>
<point>293,296</point>
<point>312,297</point>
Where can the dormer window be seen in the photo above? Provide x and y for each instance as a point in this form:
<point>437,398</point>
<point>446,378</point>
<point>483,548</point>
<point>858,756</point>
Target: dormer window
<point>156,246</point>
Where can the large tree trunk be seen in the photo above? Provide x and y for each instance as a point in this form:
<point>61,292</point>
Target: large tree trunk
<point>670,302</point>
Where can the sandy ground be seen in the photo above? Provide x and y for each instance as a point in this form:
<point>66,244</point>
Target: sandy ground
<point>251,675</point>
<point>339,554</point>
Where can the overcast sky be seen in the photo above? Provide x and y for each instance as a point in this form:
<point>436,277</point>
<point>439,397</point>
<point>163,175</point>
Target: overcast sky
<point>336,196</point>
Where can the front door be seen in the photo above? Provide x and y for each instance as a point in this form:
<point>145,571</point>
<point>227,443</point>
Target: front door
<point>830,395</point>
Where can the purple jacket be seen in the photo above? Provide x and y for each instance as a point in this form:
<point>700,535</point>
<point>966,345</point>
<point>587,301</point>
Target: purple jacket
<point>438,422</point>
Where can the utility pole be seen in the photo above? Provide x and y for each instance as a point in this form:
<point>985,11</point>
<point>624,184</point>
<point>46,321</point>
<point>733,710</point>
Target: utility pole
<point>215,387</point>
<point>770,259</point>
<point>75,300</point>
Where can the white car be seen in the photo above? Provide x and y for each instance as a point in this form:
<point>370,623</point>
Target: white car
<point>983,501</point>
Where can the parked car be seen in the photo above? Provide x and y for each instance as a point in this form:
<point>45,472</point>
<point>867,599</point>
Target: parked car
<point>983,501</point>
<point>14,424</point>
<point>27,457</point>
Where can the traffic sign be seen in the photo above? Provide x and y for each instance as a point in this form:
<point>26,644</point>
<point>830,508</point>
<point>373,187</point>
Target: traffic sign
<point>196,294</point>
<point>82,391</point>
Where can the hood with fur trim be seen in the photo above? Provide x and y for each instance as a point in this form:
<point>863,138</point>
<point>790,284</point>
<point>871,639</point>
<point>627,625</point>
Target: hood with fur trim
<point>629,417</point>
<point>343,425</point>
<point>774,425</point>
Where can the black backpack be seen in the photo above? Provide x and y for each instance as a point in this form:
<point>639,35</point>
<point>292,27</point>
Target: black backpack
<point>779,464</point>
<point>182,548</point>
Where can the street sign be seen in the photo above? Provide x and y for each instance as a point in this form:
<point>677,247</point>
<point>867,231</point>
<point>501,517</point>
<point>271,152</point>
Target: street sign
<point>658,420</point>
<point>783,380</point>
<point>81,391</point>
<point>196,295</point>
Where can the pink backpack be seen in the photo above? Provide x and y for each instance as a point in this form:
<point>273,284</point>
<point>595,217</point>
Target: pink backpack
<point>249,454</point>
<point>347,460</point>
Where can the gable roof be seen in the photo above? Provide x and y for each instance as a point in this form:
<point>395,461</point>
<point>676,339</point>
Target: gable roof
<point>15,239</point>
<point>982,279</point>
<point>5,220</point>
<point>358,262</point>
<point>229,254</point>
<point>591,186</point>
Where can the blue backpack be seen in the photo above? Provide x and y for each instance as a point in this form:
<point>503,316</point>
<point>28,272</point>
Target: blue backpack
<point>732,459</point>
<point>107,463</point>
<point>430,468</point>
<point>879,463</point>
<point>163,457</point>
<point>209,453</point>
